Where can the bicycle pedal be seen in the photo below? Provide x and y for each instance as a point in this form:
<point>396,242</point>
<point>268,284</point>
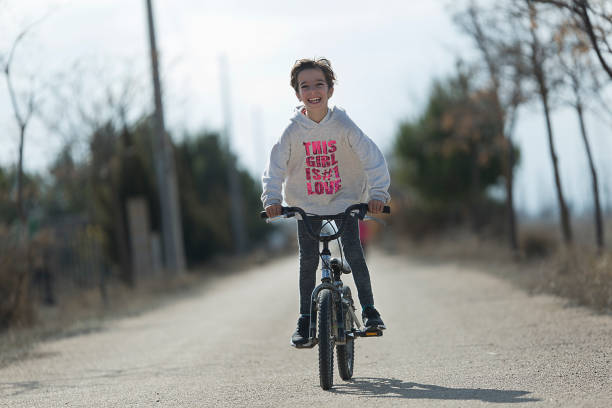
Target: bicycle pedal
<point>371,332</point>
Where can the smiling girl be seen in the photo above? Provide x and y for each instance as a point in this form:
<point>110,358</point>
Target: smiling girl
<point>323,163</point>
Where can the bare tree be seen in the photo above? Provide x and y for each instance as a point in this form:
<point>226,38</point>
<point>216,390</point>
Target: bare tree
<point>98,118</point>
<point>22,113</point>
<point>88,96</point>
<point>501,55</point>
<point>539,58</point>
<point>573,57</point>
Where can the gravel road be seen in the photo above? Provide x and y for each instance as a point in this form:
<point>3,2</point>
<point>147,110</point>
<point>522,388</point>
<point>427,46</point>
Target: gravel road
<point>456,338</point>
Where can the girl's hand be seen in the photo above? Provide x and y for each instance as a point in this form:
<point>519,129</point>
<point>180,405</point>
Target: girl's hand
<point>273,210</point>
<point>375,206</point>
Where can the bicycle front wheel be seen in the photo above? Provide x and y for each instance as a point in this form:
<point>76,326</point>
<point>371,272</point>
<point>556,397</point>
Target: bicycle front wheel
<point>326,340</point>
<point>346,352</point>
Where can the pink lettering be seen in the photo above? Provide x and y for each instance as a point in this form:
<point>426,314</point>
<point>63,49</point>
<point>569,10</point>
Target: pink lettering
<point>307,146</point>
<point>337,172</point>
<point>329,187</point>
<point>316,147</point>
<point>331,146</point>
<point>309,188</point>
<point>319,187</point>
<point>324,161</point>
<point>333,159</point>
<point>310,161</point>
<point>307,173</point>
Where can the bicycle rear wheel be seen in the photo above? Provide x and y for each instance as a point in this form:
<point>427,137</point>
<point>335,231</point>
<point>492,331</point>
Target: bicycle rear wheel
<point>346,352</point>
<point>326,340</point>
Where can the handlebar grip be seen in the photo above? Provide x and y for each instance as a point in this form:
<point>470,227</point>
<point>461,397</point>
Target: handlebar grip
<point>387,209</point>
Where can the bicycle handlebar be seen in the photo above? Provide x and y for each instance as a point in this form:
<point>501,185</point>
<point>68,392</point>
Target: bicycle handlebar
<point>362,209</point>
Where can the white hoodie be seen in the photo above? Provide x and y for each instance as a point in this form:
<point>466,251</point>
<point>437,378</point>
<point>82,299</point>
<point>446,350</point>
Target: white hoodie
<point>324,167</point>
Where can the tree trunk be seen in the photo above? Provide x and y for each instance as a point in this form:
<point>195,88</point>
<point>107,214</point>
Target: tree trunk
<point>475,213</point>
<point>509,176</point>
<point>538,72</point>
<point>564,213</point>
<point>598,217</point>
<point>508,169</point>
<point>121,235</point>
<point>508,161</point>
<point>20,206</point>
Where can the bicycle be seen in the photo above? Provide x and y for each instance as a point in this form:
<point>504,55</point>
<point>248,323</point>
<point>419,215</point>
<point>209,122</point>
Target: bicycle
<point>331,304</point>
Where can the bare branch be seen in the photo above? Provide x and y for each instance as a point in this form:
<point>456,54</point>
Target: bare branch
<point>21,118</point>
<point>581,4</point>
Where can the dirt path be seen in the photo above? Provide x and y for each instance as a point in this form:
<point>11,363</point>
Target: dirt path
<point>456,338</point>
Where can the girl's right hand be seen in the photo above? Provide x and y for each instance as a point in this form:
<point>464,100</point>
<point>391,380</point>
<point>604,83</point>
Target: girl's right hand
<point>273,210</point>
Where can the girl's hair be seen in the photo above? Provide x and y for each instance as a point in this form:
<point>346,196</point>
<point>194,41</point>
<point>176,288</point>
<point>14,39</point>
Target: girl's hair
<point>321,63</point>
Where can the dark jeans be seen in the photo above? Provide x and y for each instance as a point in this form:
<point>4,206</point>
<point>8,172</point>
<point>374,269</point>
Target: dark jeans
<point>309,261</point>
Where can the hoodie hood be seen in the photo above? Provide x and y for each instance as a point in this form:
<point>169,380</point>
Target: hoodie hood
<point>299,117</point>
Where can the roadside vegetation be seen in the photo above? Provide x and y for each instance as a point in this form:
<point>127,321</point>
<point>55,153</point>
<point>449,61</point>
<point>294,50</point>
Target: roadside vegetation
<point>455,162</point>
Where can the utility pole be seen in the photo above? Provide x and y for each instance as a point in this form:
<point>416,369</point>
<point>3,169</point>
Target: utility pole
<point>236,201</point>
<point>172,231</point>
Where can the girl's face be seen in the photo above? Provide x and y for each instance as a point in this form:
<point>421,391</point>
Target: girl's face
<point>313,92</point>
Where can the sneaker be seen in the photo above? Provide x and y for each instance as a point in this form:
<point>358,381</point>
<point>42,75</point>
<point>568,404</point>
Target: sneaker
<point>300,337</point>
<point>371,319</point>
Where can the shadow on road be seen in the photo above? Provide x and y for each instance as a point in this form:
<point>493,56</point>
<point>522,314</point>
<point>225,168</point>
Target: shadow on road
<point>394,388</point>
<point>16,388</point>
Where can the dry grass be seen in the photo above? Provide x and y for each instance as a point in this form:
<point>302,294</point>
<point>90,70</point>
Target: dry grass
<point>544,264</point>
<point>15,303</point>
<point>580,275</point>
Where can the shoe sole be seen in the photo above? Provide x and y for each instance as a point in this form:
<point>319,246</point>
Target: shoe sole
<point>307,344</point>
<point>374,328</point>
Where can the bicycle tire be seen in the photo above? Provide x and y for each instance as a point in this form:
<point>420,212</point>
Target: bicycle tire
<point>345,353</point>
<point>326,340</point>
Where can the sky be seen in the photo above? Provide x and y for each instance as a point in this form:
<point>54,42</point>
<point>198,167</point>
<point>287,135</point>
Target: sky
<point>385,55</point>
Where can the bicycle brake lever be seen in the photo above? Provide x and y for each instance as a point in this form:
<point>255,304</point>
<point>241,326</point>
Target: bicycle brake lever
<point>274,219</point>
<point>279,217</point>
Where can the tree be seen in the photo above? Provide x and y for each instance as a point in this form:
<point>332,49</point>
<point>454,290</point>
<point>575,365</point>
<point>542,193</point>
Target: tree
<point>108,124</point>
<point>203,165</point>
<point>574,59</point>
<point>450,155</point>
<point>22,112</point>
<point>540,57</point>
<point>504,68</point>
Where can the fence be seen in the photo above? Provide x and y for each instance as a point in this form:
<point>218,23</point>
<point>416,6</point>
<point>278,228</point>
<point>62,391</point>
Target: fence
<point>65,257</point>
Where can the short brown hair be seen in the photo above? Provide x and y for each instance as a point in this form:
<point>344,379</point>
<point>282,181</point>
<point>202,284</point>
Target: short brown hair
<point>321,63</point>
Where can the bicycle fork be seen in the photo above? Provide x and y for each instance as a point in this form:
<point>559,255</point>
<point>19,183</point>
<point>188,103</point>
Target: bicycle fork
<point>336,289</point>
